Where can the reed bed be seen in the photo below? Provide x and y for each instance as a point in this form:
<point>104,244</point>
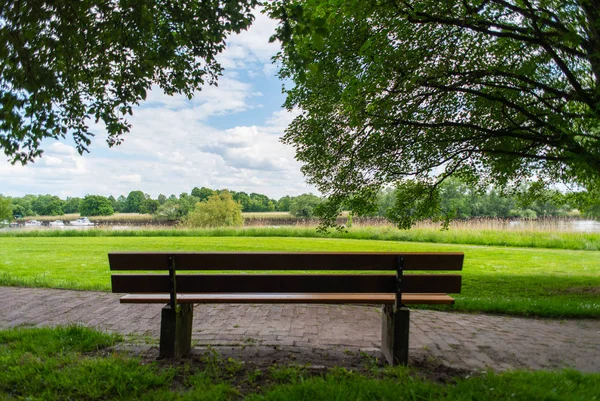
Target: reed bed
<point>550,224</point>
<point>64,217</point>
<point>267,216</point>
<point>118,218</point>
<point>276,219</point>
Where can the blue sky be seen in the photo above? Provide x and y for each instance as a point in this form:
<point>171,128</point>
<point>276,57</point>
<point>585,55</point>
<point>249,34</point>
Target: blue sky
<point>226,137</point>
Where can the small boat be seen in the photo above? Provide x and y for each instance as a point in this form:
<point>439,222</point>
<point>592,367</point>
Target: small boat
<point>33,223</point>
<point>57,223</point>
<point>82,221</point>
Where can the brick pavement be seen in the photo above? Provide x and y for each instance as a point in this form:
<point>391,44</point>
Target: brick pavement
<point>465,341</point>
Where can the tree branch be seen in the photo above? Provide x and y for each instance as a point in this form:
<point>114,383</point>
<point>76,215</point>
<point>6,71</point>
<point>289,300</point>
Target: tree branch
<point>538,85</point>
<point>488,96</point>
<point>486,27</point>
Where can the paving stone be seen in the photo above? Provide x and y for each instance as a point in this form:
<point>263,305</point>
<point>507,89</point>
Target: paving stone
<point>466,341</point>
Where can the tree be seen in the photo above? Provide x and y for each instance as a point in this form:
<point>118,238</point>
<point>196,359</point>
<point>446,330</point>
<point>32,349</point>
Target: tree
<point>243,199</point>
<point>303,206</point>
<point>134,202</point>
<point>385,201</point>
<point>72,205</point>
<point>544,202</point>
<point>95,205</point>
<point>114,203</point>
<point>260,203</point>
<point>220,210</point>
<point>22,206</point>
<point>202,193</point>
<point>48,205</point>
<point>454,200</point>
<point>121,204</point>
<point>283,204</point>
<point>149,206</point>
<point>176,209</point>
<point>187,203</point>
<point>6,209</point>
<point>162,199</point>
<point>64,64</point>
<point>493,92</point>
<point>587,202</point>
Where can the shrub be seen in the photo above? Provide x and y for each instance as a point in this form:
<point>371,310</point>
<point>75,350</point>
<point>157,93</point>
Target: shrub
<point>219,210</point>
<point>170,210</point>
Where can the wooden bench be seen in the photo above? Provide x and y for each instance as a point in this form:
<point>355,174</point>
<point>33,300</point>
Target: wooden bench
<point>386,283</point>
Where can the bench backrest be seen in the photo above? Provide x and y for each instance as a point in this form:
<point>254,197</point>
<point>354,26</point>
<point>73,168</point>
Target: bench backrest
<point>386,272</point>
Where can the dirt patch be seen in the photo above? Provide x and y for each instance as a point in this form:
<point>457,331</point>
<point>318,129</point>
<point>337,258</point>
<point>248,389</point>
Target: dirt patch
<point>439,372</point>
<point>251,369</point>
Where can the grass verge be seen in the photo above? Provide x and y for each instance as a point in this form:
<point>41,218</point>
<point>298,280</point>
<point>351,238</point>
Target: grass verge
<point>517,281</point>
<point>78,363</point>
<point>523,239</point>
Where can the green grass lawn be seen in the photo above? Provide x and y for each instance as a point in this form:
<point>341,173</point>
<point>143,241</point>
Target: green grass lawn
<point>517,281</point>
<point>78,363</point>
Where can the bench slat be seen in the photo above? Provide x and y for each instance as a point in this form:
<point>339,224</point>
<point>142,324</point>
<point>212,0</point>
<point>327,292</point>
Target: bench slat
<point>253,283</point>
<point>304,298</point>
<point>286,261</point>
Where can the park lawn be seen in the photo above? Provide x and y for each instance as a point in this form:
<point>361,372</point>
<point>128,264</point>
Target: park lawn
<point>75,362</point>
<point>516,281</point>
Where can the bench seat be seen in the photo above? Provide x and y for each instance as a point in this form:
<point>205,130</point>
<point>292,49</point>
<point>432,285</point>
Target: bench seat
<point>288,298</point>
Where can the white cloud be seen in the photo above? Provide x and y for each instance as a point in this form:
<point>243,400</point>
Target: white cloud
<point>132,178</point>
<point>280,119</point>
<point>173,147</point>
<point>52,161</point>
<point>250,148</point>
<point>62,149</point>
<point>251,46</point>
<point>167,155</point>
<point>230,96</point>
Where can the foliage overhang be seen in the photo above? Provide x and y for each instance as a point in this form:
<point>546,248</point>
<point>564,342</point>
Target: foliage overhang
<point>491,91</point>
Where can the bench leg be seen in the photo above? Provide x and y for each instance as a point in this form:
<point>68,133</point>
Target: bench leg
<point>394,334</point>
<point>176,331</point>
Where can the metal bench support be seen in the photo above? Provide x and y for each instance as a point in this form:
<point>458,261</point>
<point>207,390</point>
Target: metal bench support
<point>394,334</point>
<point>176,322</point>
<point>395,322</point>
<point>176,331</point>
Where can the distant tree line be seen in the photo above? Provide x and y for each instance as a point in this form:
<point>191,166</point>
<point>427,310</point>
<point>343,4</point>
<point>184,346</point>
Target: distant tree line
<point>457,200</point>
<point>171,208</point>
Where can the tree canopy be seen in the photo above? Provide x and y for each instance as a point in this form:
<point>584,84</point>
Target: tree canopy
<point>491,91</point>
<point>303,206</point>
<point>66,64</point>
<point>6,209</point>
<point>95,205</point>
<point>48,205</point>
<point>134,202</point>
